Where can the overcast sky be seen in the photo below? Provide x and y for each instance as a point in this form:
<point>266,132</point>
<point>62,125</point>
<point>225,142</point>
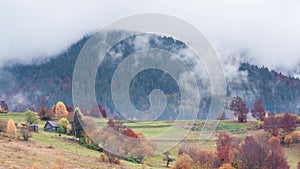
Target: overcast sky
<point>268,31</point>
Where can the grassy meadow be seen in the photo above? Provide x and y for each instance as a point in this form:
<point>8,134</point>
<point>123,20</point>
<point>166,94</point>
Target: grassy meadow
<point>151,129</point>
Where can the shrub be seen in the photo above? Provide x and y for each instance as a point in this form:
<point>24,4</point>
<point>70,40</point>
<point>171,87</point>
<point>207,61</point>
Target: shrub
<point>31,117</point>
<point>25,133</point>
<point>116,160</point>
<point>260,124</point>
<point>296,136</point>
<point>298,120</point>
<point>183,161</point>
<point>288,139</point>
<point>288,123</point>
<point>274,140</point>
<point>64,126</point>
<point>45,114</point>
<point>223,146</point>
<point>103,157</point>
<point>3,125</point>
<point>206,159</point>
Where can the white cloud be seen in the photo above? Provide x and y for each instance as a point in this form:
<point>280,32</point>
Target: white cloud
<point>268,31</point>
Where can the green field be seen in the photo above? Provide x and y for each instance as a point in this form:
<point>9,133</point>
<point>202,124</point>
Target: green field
<point>152,130</point>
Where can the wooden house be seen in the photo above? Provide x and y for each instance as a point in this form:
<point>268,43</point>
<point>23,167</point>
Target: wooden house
<point>51,126</point>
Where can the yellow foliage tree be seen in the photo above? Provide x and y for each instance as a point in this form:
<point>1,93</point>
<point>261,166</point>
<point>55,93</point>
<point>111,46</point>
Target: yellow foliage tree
<point>296,136</point>
<point>61,110</point>
<point>11,128</point>
<point>288,139</point>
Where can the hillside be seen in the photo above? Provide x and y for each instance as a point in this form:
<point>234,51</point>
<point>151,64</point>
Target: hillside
<point>51,80</point>
<point>44,147</point>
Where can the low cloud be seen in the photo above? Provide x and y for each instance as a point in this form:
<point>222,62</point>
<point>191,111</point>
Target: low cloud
<point>268,31</point>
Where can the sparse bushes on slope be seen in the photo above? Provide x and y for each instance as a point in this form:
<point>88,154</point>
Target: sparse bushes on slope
<point>25,133</point>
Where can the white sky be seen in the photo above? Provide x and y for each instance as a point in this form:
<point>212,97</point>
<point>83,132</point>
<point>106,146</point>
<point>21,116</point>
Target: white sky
<point>269,30</point>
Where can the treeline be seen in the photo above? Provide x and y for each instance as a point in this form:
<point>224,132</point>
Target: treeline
<point>51,80</point>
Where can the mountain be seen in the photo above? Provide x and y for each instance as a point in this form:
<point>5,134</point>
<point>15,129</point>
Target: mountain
<point>51,81</point>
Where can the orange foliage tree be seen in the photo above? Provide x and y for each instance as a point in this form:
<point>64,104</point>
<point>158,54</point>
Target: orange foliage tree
<point>183,161</point>
<point>11,128</point>
<point>123,141</point>
<point>61,110</point>
<point>205,159</point>
<point>45,114</point>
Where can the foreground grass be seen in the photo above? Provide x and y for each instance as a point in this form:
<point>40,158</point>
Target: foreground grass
<point>63,142</point>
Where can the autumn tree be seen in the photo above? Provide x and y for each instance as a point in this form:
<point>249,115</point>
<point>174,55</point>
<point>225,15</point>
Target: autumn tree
<point>3,107</point>
<point>183,161</point>
<point>239,108</point>
<point>272,125</point>
<point>223,146</point>
<point>45,114</point>
<point>60,110</point>
<point>69,109</point>
<point>201,158</point>
<point>288,123</point>
<point>97,110</point>
<point>77,123</point>
<point>123,141</point>
<point>31,117</point>
<point>11,128</point>
<point>251,154</point>
<point>261,154</point>
<point>258,110</point>
<point>295,136</point>
<point>64,126</point>
<point>25,133</point>
<point>276,161</point>
<point>19,108</point>
<point>3,125</point>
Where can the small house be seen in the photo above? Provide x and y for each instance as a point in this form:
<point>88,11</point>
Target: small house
<point>34,127</point>
<point>51,126</point>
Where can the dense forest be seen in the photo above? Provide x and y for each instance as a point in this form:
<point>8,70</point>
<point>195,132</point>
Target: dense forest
<point>49,81</point>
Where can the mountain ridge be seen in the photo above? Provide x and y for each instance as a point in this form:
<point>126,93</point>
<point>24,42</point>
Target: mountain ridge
<point>51,81</point>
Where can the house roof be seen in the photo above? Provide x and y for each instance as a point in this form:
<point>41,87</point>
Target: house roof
<point>52,123</point>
